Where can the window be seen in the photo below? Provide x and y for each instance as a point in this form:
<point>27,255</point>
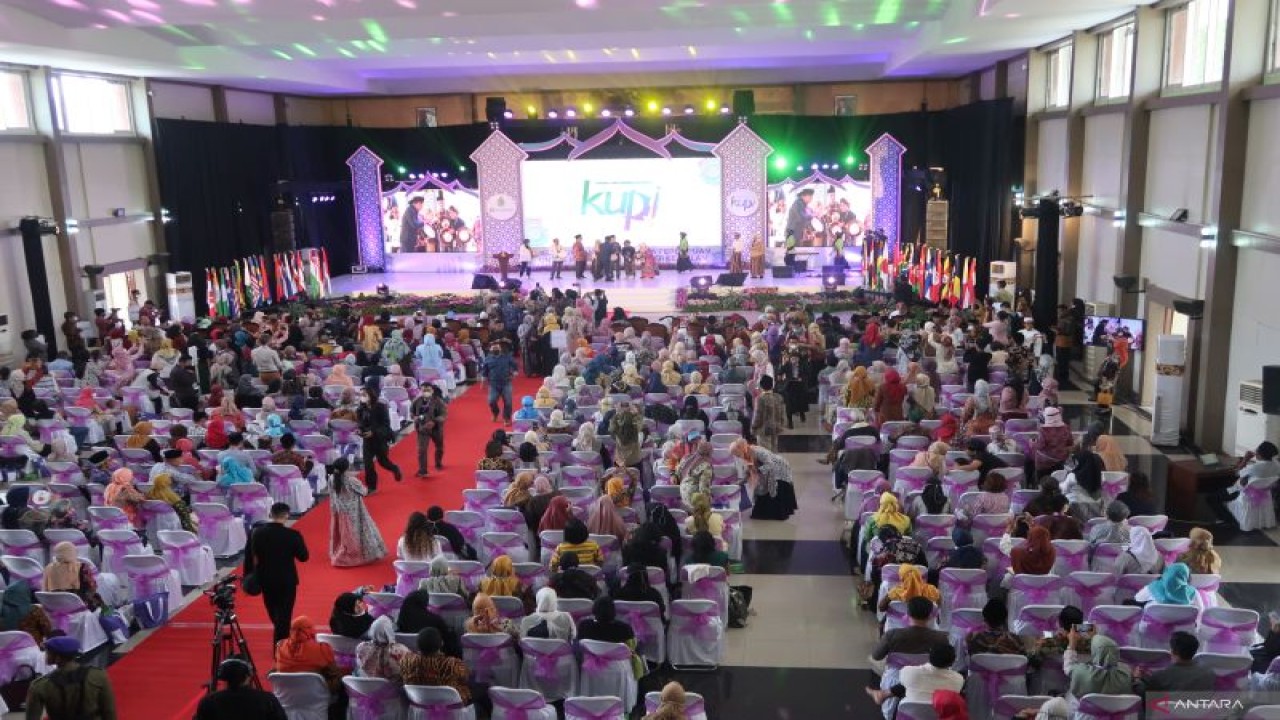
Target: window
<point>92,105</point>
<point>15,111</point>
<point>1273,41</point>
<point>1195,44</point>
<point>1058,88</point>
<point>1115,62</point>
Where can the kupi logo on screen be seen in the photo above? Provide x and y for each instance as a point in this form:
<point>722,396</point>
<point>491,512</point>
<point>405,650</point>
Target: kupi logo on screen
<point>634,202</point>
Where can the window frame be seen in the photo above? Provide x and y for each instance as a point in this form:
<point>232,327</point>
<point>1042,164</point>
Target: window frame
<point>1057,72</point>
<point>60,108</point>
<point>1106,44</point>
<point>1189,31</point>
<point>1271,63</point>
<point>24,80</point>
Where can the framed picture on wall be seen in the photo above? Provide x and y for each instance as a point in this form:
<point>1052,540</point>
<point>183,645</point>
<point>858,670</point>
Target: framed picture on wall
<point>846,105</point>
<point>425,117</point>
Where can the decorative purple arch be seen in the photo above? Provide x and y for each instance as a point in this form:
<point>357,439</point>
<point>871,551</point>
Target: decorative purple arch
<point>366,194</point>
<point>886,186</point>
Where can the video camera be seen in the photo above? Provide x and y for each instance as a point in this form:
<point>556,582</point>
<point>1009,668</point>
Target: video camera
<point>223,594</point>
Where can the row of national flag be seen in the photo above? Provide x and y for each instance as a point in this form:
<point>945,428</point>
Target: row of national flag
<point>933,273</point>
<point>260,280</point>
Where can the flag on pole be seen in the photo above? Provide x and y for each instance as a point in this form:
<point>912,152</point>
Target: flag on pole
<point>325,281</point>
<point>210,297</point>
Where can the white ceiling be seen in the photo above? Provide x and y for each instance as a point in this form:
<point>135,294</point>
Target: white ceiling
<point>404,46</point>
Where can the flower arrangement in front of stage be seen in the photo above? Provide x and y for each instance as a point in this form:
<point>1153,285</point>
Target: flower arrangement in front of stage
<point>396,305</point>
<point>760,297</point>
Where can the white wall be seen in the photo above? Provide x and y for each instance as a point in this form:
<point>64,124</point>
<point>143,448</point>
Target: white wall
<point>1103,158</point>
<point>1051,159</point>
<point>104,176</point>
<point>1172,261</point>
<point>23,191</point>
<point>1180,152</point>
<point>182,102</point>
<point>1096,255</point>
<point>251,108</point>
<point>307,111</point>
<point>1255,328</point>
<point>1260,211</point>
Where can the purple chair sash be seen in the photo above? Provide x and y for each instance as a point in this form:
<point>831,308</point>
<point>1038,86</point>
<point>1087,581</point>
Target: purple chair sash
<point>9,657</point>
<point>60,617</point>
<point>585,714</point>
<point>452,604</point>
<point>510,525</point>
<point>378,608</point>
<point>594,663</point>
<point>639,622</point>
<point>544,663</point>
<point>1112,628</point>
<point>486,656</point>
<point>518,711</point>
<point>965,590</point>
<point>701,621</point>
<point>142,581</point>
<point>407,582</point>
<point>373,705</point>
<point>437,710</point>
<point>1257,495</point>
<point>706,589</point>
<point>1226,633</point>
<point>993,678</point>
<point>1084,590</point>
<point>506,546</point>
<point>1035,594</point>
<point>1232,680</point>
<point>1163,627</point>
<point>17,548</point>
<point>120,548</point>
<point>1088,707</point>
<point>184,552</point>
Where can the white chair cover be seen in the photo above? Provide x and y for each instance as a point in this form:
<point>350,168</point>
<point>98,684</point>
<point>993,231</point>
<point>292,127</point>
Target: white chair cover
<point>696,635</point>
<point>514,704</point>
<point>223,532</point>
<point>17,648</point>
<point>303,695</point>
<point>53,536</point>
<point>1033,621</point>
<point>344,649</point>
<point>1228,630</point>
<point>961,588</point>
<point>23,568</point>
<point>1118,622</point>
<point>707,582</point>
<point>409,573</point>
<point>384,603</point>
<point>645,619</point>
<point>493,544</point>
<point>992,677</point>
<point>287,485</point>
<point>451,607</point>
<point>916,711</point>
<point>373,699</point>
<point>192,559</point>
<point>1231,671</point>
<point>1087,590</point>
<point>1253,508</point>
<point>430,702</point>
<point>606,670</point>
<point>158,515</point>
<point>250,500</point>
<point>69,614</point>
<point>492,658</point>
<point>23,543</point>
<point>1033,590</point>
<point>149,575</point>
<point>1096,706</point>
<point>594,708</point>
<point>549,667</point>
<point>1159,621</point>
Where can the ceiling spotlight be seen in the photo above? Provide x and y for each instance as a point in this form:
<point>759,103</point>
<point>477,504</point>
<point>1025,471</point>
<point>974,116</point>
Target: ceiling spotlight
<point>688,110</point>
<point>725,110</point>
<point>606,113</point>
<point>826,166</point>
<point>570,113</point>
<point>835,166</point>
<point>666,111</point>
<point>813,166</point>
<point>799,168</point>
<point>552,114</point>
<point>629,111</point>
<point>508,114</point>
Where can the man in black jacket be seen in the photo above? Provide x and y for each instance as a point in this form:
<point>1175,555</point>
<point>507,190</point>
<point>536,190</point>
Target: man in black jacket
<point>182,380</point>
<point>271,555</point>
<point>375,428</point>
<point>429,412</point>
<point>238,700</point>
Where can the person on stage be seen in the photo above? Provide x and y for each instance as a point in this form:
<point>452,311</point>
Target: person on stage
<point>682,255</point>
<point>375,428</point>
<point>557,258</point>
<point>429,412</point>
<point>628,258</point>
<point>839,261</point>
<point>272,556</point>
<point>597,256</point>
<point>757,257</point>
<point>798,217</point>
<point>411,225</point>
<point>504,259</point>
<point>579,258</point>
<point>354,538</point>
<point>648,262</point>
<point>608,257</point>
<point>526,259</point>
<point>789,254</point>
<point>735,254</point>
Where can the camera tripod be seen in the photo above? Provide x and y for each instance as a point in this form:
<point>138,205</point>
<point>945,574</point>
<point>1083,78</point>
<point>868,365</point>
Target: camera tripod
<point>229,642</point>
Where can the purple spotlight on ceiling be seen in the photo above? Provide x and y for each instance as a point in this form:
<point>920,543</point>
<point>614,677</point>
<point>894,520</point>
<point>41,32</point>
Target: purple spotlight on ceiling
<point>606,113</point>
<point>666,111</point>
<point>552,114</point>
<point>508,114</point>
<point>629,111</point>
<point>570,113</point>
<point>688,110</point>
<point>585,3</point>
<point>725,110</point>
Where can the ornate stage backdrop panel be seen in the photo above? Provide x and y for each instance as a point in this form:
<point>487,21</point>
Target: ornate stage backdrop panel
<point>366,192</point>
<point>743,158</point>
<point>498,161</point>
<point>886,186</point>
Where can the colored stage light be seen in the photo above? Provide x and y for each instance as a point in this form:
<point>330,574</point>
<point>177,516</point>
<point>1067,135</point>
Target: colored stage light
<point>780,163</point>
<point>813,166</point>
<point>570,113</point>
<point>462,168</point>
<point>629,111</point>
<point>587,108</point>
<point>653,106</point>
<point>848,159</point>
<point>532,110</point>
<point>711,104</point>
<point>725,109</point>
<point>606,113</point>
<point>508,114</point>
<point>666,111</point>
<point>688,110</point>
<point>401,169</point>
<point>552,114</point>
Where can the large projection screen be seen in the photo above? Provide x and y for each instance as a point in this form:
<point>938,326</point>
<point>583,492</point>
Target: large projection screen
<point>644,200</point>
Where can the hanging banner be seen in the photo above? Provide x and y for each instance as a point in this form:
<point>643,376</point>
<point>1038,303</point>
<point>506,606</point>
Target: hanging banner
<point>1166,418</point>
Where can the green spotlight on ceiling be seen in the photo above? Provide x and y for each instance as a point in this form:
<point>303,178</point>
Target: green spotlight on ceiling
<point>848,159</point>
<point>402,169</point>
<point>780,163</point>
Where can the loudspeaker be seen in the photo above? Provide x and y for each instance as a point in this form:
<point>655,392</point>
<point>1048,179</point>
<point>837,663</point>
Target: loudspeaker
<point>744,103</point>
<point>782,271</point>
<point>1271,389</point>
<point>283,234</point>
<point>731,279</point>
<point>1193,309</point>
<point>494,109</point>
<point>484,282</point>
<point>800,266</point>
<point>510,284</point>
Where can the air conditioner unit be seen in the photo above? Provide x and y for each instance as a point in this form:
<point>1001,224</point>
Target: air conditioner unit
<point>1252,425</point>
<point>1099,309</point>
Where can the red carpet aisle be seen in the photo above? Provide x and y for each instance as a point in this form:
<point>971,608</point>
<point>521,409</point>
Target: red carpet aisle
<point>162,678</point>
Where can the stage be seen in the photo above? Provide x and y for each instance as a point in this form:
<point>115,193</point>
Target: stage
<point>632,294</point>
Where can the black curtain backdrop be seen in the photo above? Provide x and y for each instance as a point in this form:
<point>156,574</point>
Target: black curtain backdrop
<point>220,181</point>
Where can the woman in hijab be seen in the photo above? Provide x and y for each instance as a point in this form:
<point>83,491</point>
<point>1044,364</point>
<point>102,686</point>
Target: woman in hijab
<point>380,655</point>
<point>1101,674</point>
<point>517,493</point>
<point>769,479</point>
<point>889,397</point>
<point>349,617</point>
<point>485,618</point>
<point>1141,557</point>
<point>605,520</point>
<point>394,349</point>
<point>558,512</point>
<point>558,625</point>
<point>693,473</point>
<point>634,587</point>
<point>586,441</point>
<point>1173,587</point>
<point>16,506</point>
<point>442,578</point>
<point>67,573</point>
<point>1201,558</point>
<point>889,513</point>
<point>701,518</point>
<point>338,377</point>
<point>540,500</point>
<point>162,489</point>
<point>19,611</point>
<point>502,580</point>
<point>671,701</point>
<point>911,584</point>
<point>860,391</point>
<point>1036,556</point>
<point>934,458</point>
<point>965,555</point>
<point>123,494</point>
<point>141,438</point>
<point>301,652</point>
<point>925,396</point>
<point>1113,459</point>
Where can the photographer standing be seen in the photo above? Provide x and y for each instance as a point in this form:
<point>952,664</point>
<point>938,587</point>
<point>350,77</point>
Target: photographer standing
<point>271,556</point>
<point>429,412</point>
